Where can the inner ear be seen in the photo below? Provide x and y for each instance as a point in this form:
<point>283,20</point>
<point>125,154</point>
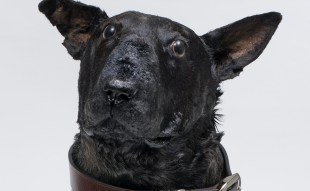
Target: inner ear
<point>74,20</point>
<point>238,44</point>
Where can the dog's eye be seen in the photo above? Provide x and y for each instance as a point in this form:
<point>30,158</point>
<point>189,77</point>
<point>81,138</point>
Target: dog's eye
<point>109,31</point>
<point>178,48</point>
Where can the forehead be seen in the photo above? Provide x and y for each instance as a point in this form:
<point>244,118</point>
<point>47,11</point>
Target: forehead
<point>145,25</point>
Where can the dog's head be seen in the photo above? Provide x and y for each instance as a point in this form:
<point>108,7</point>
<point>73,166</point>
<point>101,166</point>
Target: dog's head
<point>148,78</point>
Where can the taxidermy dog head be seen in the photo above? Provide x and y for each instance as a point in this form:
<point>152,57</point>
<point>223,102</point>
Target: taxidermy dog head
<point>148,88</point>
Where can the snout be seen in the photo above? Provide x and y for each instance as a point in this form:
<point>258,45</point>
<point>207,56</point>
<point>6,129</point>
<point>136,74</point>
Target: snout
<point>118,91</point>
<point>124,98</point>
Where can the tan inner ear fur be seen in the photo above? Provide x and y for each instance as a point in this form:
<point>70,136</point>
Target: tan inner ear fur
<point>82,37</point>
<point>248,43</point>
<point>59,15</point>
<point>77,30</point>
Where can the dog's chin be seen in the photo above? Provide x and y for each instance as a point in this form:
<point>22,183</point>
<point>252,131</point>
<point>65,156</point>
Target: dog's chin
<point>108,128</point>
<point>111,129</point>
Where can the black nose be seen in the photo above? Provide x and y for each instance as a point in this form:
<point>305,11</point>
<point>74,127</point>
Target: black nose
<point>118,91</point>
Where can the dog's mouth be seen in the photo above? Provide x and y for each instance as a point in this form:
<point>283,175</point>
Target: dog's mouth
<point>110,129</point>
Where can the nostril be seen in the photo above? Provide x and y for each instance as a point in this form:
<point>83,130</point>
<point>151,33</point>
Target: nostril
<point>109,92</point>
<point>117,98</point>
<point>111,96</point>
<point>125,97</point>
<point>119,91</point>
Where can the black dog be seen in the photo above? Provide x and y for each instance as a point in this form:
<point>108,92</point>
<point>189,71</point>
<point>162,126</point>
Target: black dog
<point>148,89</point>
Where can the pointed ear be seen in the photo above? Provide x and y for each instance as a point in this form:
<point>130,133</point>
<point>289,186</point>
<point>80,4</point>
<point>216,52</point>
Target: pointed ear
<point>74,20</point>
<point>238,44</point>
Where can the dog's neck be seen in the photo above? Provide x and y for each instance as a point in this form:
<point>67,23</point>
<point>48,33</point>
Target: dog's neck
<point>186,161</point>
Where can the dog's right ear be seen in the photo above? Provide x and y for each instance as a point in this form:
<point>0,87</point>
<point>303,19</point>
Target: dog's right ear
<point>236,45</point>
<point>74,20</point>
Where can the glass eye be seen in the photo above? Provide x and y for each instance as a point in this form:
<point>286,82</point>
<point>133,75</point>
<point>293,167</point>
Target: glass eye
<point>109,31</point>
<point>178,48</point>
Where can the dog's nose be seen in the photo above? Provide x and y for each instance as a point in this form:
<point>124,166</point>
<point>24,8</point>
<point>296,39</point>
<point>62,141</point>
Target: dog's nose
<point>119,91</point>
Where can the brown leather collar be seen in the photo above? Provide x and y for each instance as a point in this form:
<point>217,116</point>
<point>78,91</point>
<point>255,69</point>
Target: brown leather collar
<point>82,182</point>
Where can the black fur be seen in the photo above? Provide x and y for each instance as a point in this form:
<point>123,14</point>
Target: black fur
<point>148,91</point>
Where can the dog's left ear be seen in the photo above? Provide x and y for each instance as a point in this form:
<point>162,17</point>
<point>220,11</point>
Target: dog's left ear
<point>74,20</point>
<point>236,45</point>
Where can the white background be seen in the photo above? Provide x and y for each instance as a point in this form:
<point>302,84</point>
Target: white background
<point>266,109</point>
